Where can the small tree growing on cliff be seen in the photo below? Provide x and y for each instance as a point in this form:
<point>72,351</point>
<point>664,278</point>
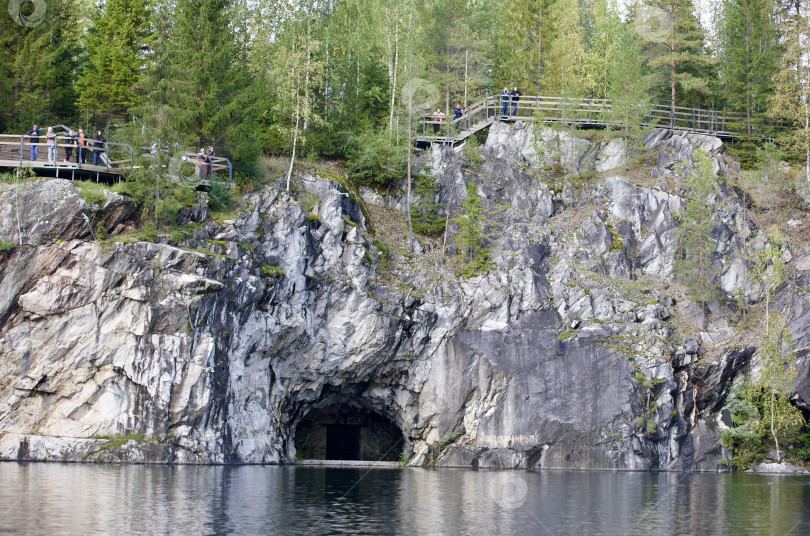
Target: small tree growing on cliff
<point>695,247</point>
<point>470,238</point>
<point>769,268</point>
<point>776,379</point>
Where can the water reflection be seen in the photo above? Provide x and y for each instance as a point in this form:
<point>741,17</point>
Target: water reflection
<point>104,499</point>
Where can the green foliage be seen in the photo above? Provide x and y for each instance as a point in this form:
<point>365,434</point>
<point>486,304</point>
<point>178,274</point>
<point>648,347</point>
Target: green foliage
<point>803,452</point>
<point>426,207</point>
<point>273,271</point>
<point>219,196</point>
<point>115,64</point>
<point>4,246</point>
<point>769,267</point>
<point>628,89</point>
<point>695,245</point>
<point>101,230</point>
<point>158,197</point>
<point>677,53</point>
<point>374,160</point>
<point>470,238</point>
<point>91,193</point>
<point>38,66</point>
<point>761,411</point>
<point>115,441</point>
<point>791,99</point>
<point>449,438</point>
<point>384,258</point>
<point>769,170</point>
<point>749,57</point>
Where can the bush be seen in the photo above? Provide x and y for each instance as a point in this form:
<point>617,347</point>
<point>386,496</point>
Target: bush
<point>157,197</point>
<point>425,209</point>
<point>219,196</point>
<point>373,160</point>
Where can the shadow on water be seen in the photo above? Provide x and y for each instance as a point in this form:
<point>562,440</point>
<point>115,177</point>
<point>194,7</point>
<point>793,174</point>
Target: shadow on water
<point>105,499</point>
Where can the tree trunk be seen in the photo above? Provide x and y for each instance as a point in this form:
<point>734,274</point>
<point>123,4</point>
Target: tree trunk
<point>295,136</point>
<point>306,81</point>
<point>673,73</point>
<point>408,200</point>
<point>394,72</point>
<point>540,53</point>
<point>773,431</point>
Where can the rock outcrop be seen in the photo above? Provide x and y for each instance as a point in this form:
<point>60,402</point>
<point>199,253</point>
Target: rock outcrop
<point>577,350</point>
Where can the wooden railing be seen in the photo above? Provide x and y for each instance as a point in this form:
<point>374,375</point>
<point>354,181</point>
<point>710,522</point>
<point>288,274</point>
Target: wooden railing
<point>589,112</point>
<point>113,157</point>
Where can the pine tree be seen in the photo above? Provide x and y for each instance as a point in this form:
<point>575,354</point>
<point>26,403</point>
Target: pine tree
<point>39,66</point>
<point>675,49</point>
<point>749,57</point>
<point>116,45</point>
<point>470,238</point>
<point>526,28</point>
<point>695,246</point>
<point>791,101</point>
<point>628,91</point>
<point>197,86</point>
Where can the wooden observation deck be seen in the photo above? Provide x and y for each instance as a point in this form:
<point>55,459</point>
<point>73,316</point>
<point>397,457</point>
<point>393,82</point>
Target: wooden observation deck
<point>594,113</point>
<point>114,158</point>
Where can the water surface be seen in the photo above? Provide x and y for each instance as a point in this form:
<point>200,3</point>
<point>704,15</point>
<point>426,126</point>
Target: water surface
<point>37,498</point>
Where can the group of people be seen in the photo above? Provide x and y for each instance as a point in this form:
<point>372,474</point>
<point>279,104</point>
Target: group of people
<point>78,141</point>
<point>439,115</point>
<point>508,97</point>
<point>205,159</point>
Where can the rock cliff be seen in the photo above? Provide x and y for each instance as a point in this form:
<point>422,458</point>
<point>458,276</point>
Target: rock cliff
<point>577,350</point>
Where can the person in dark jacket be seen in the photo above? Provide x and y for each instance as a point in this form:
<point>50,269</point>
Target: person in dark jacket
<point>34,141</point>
<point>99,147</point>
<point>515,98</point>
<point>505,99</point>
<point>70,142</point>
<point>457,112</point>
<point>204,161</point>
<point>210,154</point>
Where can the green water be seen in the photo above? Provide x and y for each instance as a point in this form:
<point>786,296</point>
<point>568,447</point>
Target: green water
<point>120,499</point>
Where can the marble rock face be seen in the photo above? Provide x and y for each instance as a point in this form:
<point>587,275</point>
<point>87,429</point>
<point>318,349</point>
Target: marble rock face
<point>214,348</point>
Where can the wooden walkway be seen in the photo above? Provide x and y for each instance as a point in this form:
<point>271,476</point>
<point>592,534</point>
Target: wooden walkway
<point>114,158</point>
<point>583,112</point>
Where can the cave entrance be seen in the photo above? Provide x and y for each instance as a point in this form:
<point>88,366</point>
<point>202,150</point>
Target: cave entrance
<point>342,442</point>
<point>347,432</point>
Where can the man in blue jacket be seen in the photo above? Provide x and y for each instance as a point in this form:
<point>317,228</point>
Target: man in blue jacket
<point>505,99</point>
<point>34,142</point>
<point>515,99</point>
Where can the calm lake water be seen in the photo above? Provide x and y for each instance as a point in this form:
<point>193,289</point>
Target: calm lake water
<point>126,499</point>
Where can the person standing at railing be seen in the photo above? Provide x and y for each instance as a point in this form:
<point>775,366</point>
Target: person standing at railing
<point>51,142</point>
<point>457,112</point>
<point>82,147</point>
<point>210,159</point>
<point>99,144</point>
<point>70,142</point>
<point>505,95</point>
<point>35,132</point>
<point>516,94</point>
<point>437,120</point>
